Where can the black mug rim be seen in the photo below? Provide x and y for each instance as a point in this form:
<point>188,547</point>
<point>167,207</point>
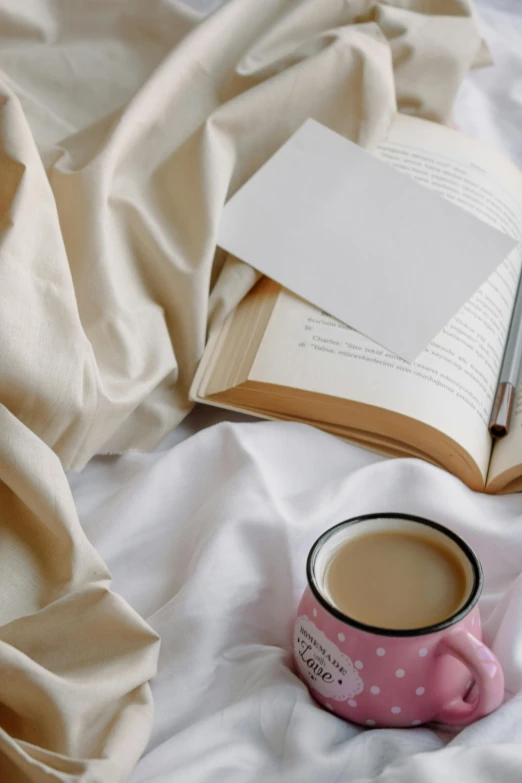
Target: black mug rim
<point>473,597</point>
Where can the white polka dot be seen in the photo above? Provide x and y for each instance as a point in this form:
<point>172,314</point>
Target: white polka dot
<point>423,651</point>
<point>416,722</point>
<point>341,637</point>
<point>419,691</point>
<point>329,706</point>
<point>375,690</point>
<point>400,673</point>
<point>396,710</point>
<point>352,702</point>
<point>370,722</point>
<point>380,651</point>
<point>358,664</point>
<point>314,612</point>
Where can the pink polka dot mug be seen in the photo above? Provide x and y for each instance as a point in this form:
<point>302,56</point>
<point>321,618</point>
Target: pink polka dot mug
<point>380,677</point>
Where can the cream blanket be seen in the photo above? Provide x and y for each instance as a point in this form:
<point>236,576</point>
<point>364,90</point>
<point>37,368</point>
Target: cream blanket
<point>125,126</point>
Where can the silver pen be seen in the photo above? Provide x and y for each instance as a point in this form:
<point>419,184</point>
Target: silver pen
<point>509,372</point>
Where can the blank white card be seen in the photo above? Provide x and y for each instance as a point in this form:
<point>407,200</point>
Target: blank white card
<point>365,243</point>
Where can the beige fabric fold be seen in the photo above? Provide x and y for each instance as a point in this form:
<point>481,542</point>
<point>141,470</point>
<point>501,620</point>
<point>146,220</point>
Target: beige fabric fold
<point>125,126</point>
<point>74,657</point>
<point>120,259</point>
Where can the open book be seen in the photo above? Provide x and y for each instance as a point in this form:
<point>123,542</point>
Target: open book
<point>279,357</point>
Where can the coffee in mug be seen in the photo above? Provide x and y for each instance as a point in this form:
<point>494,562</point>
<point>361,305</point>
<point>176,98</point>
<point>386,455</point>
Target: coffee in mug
<point>396,579</point>
<point>388,629</point>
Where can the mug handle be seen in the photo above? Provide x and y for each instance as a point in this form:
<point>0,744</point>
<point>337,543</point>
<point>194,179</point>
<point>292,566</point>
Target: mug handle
<point>488,674</point>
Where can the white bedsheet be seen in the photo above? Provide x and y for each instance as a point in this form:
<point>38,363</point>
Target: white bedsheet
<point>208,540</point>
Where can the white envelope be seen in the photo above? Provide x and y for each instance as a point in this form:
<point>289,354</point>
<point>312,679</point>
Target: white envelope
<point>363,242</point>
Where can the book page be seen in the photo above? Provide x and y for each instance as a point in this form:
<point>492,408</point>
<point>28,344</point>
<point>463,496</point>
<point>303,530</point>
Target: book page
<point>451,385</point>
<point>289,222</point>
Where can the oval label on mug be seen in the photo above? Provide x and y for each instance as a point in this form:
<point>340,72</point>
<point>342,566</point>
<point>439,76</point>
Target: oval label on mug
<point>323,665</point>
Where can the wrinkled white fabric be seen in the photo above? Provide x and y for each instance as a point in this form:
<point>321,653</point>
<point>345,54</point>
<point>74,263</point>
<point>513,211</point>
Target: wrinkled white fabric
<point>489,103</point>
<point>208,542</point>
